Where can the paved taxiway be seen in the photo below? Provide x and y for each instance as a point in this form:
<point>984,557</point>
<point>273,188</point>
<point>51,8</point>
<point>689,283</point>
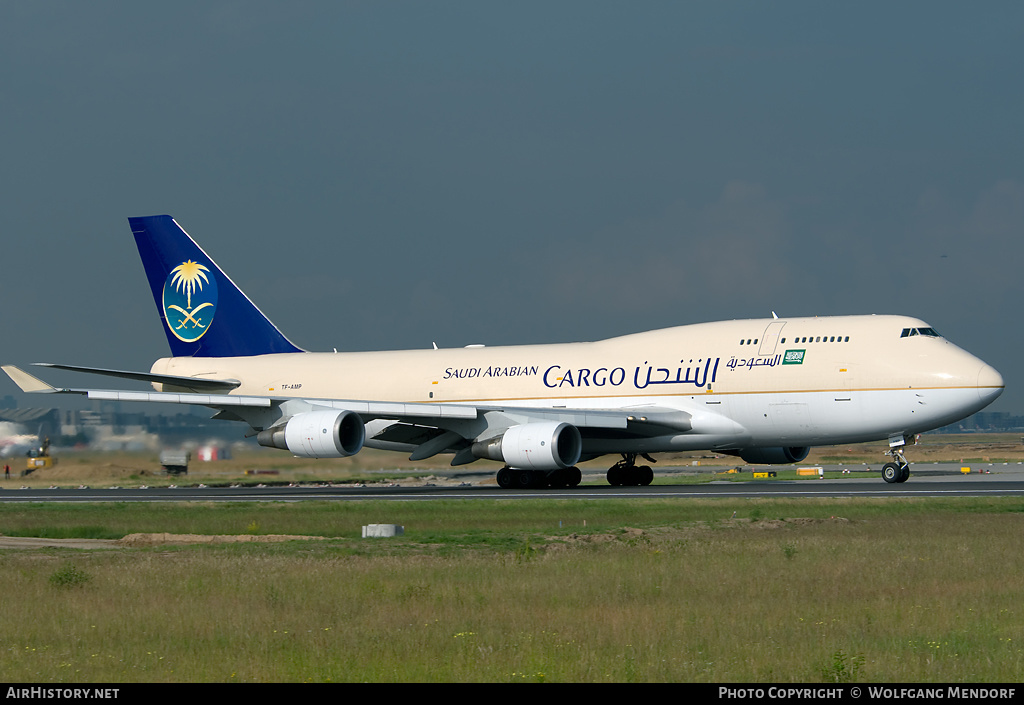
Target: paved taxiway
<point>932,480</point>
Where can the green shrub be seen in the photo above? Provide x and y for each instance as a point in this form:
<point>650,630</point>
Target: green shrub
<point>68,576</point>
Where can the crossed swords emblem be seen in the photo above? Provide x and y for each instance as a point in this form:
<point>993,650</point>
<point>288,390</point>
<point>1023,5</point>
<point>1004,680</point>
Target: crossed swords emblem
<point>189,315</point>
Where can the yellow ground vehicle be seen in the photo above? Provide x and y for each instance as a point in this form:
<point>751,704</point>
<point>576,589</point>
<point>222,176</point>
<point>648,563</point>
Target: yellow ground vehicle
<point>39,458</point>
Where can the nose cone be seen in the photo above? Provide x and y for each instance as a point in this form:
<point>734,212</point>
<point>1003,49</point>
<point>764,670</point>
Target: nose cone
<point>990,384</point>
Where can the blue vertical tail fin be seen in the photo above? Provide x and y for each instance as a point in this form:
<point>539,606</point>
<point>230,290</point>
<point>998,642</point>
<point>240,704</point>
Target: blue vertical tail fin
<point>204,313</point>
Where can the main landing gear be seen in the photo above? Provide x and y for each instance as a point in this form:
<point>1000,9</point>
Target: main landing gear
<point>511,478</point>
<point>899,470</point>
<point>626,472</point>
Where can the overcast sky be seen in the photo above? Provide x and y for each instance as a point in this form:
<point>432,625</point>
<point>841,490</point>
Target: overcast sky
<point>381,175</point>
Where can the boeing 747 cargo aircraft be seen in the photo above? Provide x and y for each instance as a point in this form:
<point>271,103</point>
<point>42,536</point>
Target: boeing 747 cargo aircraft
<point>764,390</point>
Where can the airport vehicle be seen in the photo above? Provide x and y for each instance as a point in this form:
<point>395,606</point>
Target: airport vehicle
<point>35,448</point>
<point>39,458</point>
<point>764,390</point>
<point>175,462</point>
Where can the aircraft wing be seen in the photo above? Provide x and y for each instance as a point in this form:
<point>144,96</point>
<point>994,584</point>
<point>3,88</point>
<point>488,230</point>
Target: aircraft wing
<point>413,412</point>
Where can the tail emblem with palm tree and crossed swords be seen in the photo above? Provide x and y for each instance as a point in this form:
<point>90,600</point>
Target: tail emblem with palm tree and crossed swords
<point>190,301</point>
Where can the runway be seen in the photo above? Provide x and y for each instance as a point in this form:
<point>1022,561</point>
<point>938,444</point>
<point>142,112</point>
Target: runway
<point>942,480</point>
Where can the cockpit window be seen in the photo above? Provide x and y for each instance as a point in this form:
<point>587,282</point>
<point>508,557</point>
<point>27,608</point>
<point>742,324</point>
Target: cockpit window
<point>929,332</point>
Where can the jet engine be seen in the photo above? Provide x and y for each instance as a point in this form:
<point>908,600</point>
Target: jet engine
<point>547,445</point>
<point>773,456</point>
<point>317,434</point>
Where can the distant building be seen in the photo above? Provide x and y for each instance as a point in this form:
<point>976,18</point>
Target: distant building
<point>109,429</point>
<point>986,422</point>
<point>45,422</point>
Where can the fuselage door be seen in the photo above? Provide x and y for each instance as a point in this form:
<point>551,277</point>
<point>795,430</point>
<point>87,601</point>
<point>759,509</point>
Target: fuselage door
<point>770,338</point>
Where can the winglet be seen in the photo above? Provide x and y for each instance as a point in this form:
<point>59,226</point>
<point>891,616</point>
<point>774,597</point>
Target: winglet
<point>27,382</point>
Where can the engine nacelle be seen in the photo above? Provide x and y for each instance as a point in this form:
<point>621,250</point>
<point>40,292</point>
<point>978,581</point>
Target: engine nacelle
<point>317,434</point>
<point>547,445</point>
<point>773,456</point>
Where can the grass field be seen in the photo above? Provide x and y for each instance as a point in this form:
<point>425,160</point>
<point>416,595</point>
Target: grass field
<point>896,590</point>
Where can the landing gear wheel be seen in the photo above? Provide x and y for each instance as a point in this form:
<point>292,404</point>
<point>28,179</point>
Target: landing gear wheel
<point>574,476</point>
<point>615,475</point>
<point>626,472</point>
<point>644,475</point>
<point>899,469</point>
<point>516,479</point>
<point>504,478</point>
<point>558,479</point>
<point>524,479</point>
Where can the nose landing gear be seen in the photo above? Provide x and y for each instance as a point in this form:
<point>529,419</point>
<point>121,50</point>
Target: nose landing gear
<point>899,469</point>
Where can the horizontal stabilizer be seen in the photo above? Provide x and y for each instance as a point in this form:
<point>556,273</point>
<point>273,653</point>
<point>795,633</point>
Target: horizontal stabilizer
<point>195,384</point>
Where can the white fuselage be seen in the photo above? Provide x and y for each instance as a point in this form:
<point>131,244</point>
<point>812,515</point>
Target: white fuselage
<point>748,383</point>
